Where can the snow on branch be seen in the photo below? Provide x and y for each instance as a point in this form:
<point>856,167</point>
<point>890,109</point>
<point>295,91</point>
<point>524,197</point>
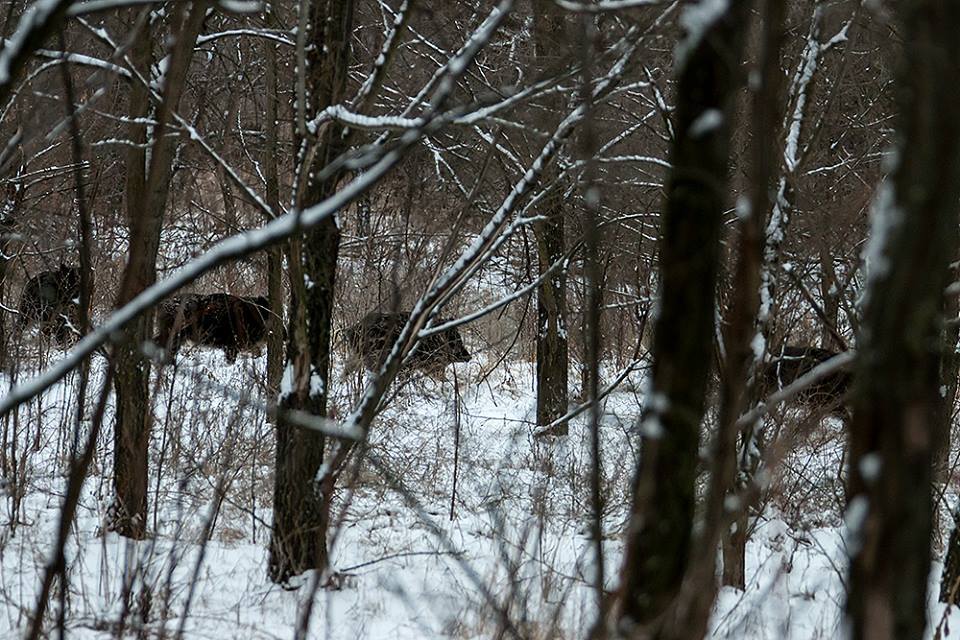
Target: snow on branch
<point>341,114</point>
<point>561,263</point>
<point>101,6</point>
<point>697,19</point>
<point>36,23</point>
<point>225,251</point>
<point>816,374</point>
<point>266,34</point>
<point>251,241</point>
<point>492,234</point>
<point>604,6</point>
<point>372,82</point>
<point>78,59</point>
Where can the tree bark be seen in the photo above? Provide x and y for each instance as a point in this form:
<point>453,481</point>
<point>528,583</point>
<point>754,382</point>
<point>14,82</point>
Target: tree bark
<point>301,506</point>
<point>734,391</point>
<point>551,336</point>
<point>896,402</point>
<point>831,301</point>
<point>658,538</point>
<point>275,341</point>
<point>146,199</point>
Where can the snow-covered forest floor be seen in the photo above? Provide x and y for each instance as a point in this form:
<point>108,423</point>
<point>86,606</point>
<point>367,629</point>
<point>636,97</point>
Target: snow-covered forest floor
<point>443,530</point>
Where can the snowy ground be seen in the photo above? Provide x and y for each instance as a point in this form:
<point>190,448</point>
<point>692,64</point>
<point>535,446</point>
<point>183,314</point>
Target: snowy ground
<point>517,538</point>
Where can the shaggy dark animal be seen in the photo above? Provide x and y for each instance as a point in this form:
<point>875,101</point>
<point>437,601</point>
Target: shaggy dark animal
<point>794,361</point>
<point>174,315</point>
<point>373,337</point>
<point>228,322</point>
<point>50,299</point>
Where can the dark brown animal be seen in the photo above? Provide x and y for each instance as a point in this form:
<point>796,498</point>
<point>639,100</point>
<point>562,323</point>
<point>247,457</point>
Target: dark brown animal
<point>791,362</point>
<point>51,299</point>
<point>174,315</point>
<point>373,337</point>
<point>228,322</point>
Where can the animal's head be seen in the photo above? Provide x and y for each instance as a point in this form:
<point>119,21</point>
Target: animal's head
<point>68,277</point>
<point>455,348</point>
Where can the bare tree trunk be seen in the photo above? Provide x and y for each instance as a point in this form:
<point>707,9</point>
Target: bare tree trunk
<point>765,115</point>
<point>301,507</point>
<point>896,403</point>
<point>700,585</point>
<point>658,539</point>
<point>131,431</point>
<point>146,199</point>
<point>734,541</point>
<point>551,336</point>
<point>831,301</point>
<point>275,342</point>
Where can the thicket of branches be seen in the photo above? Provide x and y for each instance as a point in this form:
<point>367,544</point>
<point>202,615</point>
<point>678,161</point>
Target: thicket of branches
<point>603,190</point>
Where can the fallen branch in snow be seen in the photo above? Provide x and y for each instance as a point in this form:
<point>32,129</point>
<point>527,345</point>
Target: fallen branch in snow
<point>403,554</point>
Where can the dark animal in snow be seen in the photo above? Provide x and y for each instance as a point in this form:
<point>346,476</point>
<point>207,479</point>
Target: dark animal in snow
<point>228,322</point>
<point>51,300</point>
<point>791,362</point>
<point>372,339</point>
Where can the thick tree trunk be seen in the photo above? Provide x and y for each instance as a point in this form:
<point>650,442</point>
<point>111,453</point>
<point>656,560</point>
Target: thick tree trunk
<point>658,539</point>
<point>146,199</point>
<point>301,507</point>
<point>897,398</point>
<point>551,336</point>
<point>552,349</point>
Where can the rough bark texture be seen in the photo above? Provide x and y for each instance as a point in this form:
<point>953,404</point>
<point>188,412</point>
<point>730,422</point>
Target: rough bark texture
<point>552,349</point>
<point>897,397</point>
<point>131,384</point>
<point>742,317</point>
<point>301,507</point>
<point>146,199</point>
<point>658,539</point>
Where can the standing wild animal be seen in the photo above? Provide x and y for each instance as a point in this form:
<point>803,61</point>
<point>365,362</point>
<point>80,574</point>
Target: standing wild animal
<point>794,361</point>
<point>373,337</point>
<point>51,299</point>
<point>228,322</point>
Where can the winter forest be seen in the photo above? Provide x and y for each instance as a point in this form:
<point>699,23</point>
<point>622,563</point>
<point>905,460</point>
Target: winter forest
<point>520,319</point>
